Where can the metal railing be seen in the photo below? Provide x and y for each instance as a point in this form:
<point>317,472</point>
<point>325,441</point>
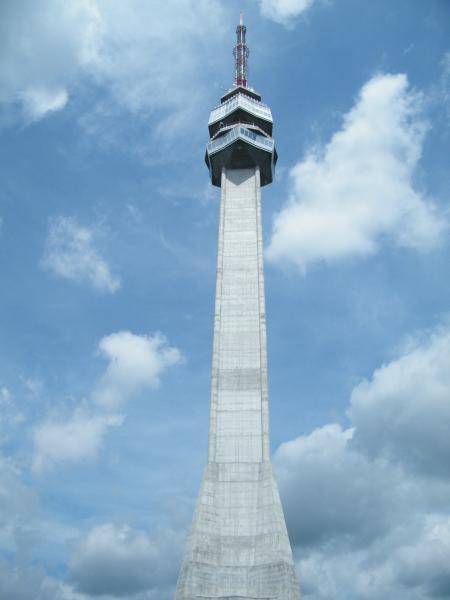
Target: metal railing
<point>240,101</point>
<point>260,141</point>
<point>247,124</point>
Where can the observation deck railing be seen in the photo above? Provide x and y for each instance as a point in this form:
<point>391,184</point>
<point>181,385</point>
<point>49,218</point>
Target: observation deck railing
<point>238,131</point>
<point>247,124</point>
<point>240,101</point>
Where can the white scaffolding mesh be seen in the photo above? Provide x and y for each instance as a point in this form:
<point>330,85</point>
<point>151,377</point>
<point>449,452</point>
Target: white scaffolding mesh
<point>238,548</point>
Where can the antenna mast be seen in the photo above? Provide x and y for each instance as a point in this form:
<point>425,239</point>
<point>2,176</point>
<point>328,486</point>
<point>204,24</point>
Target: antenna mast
<point>241,53</point>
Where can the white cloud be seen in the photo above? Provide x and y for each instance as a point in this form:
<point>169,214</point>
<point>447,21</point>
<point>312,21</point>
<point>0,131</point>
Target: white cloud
<point>119,561</point>
<point>40,101</point>
<point>404,410</point>
<point>70,252</point>
<point>22,582</point>
<point>140,54</point>
<point>426,563</point>
<point>5,395</point>
<point>357,193</point>
<point>136,363</point>
<point>70,440</point>
<point>362,506</point>
<point>368,507</point>
<point>135,54</point>
<point>397,566</point>
<point>33,385</point>
<point>43,47</point>
<point>17,583</point>
<point>284,11</point>
<point>155,70</point>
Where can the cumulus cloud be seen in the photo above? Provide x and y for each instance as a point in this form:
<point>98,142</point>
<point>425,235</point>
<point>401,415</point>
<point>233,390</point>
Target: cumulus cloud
<point>119,561</point>
<point>393,567</point>
<point>357,193</point>
<point>284,11</point>
<point>22,582</point>
<point>70,252</point>
<point>17,583</point>
<point>340,492</point>
<point>368,506</point>
<point>136,362</point>
<point>426,563</point>
<point>404,409</point>
<point>131,53</point>
<point>79,437</point>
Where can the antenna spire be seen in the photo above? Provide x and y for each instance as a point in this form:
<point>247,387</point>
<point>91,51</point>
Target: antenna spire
<point>240,54</point>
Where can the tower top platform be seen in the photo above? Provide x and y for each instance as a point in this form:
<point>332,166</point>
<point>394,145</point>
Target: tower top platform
<point>240,89</point>
<point>240,127</point>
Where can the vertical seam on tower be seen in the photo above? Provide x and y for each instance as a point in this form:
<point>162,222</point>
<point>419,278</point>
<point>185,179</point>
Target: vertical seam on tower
<point>262,326</point>
<point>258,269</point>
<point>212,440</point>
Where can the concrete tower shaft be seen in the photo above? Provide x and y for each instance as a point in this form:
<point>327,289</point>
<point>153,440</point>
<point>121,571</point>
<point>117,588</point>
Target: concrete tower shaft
<point>238,547</point>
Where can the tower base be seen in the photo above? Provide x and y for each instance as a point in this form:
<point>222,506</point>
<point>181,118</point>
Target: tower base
<point>238,547</point>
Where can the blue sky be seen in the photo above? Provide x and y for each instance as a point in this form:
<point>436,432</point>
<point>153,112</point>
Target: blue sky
<point>108,231</point>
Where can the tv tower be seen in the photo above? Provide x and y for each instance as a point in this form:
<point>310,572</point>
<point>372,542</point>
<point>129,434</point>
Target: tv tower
<point>238,546</point>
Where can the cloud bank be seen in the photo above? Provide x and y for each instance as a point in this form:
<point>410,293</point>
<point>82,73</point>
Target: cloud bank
<point>368,506</point>
<point>118,561</point>
<point>403,412</point>
<point>357,192</point>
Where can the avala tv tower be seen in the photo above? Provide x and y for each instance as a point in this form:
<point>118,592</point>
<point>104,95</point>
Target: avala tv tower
<point>238,547</point>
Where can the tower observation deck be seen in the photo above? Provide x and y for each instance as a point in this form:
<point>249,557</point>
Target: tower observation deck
<point>238,547</point>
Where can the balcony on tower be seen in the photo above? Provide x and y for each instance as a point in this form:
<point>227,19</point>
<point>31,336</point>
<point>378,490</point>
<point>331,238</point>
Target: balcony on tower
<point>241,105</point>
<point>240,129</point>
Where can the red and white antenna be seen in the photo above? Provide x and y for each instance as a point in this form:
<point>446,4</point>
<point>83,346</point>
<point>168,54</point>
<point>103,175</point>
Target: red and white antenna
<point>241,53</point>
